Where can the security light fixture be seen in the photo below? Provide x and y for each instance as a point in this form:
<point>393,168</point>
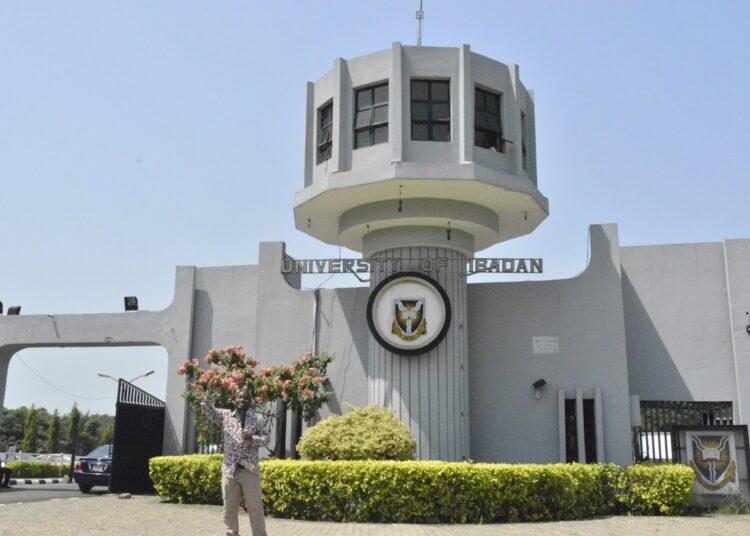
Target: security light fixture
<point>131,303</point>
<point>14,310</point>
<point>537,385</point>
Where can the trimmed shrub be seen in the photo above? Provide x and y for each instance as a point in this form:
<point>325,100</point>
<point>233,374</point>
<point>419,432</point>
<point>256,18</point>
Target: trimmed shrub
<point>370,433</point>
<point>436,492</point>
<point>37,469</point>
<point>192,479</point>
<point>654,489</point>
<point>432,492</point>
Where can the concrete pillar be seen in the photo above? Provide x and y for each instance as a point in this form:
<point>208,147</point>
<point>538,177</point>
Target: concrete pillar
<point>429,391</point>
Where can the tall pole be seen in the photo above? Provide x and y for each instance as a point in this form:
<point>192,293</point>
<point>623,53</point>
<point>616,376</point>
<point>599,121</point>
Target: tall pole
<point>420,16</point>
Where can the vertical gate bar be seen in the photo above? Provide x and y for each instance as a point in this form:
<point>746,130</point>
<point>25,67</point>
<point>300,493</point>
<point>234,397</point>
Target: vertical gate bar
<point>651,450</point>
<point>660,433</point>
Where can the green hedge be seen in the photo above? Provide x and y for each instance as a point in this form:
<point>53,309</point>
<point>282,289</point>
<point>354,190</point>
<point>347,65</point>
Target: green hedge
<point>37,469</point>
<point>654,489</point>
<point>432,492</point>
<point>193,479</point>
<point>436,492</point>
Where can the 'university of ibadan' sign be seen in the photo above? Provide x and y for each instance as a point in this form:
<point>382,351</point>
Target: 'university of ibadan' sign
<point>426,264</point>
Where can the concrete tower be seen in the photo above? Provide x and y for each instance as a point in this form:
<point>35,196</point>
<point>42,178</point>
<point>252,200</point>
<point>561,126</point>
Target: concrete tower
<point>418,157</point>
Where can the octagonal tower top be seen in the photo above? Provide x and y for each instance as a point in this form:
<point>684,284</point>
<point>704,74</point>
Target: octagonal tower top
<point>419,146</point>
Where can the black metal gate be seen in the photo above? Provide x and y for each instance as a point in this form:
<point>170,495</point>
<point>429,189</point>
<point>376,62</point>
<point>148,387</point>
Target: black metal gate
<point>139,432</point>
<point>653,439</point>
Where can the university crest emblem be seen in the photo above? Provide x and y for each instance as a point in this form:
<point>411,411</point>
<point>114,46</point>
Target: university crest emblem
<point>397,313</point>
<point>711,461</point>
<point>408,319</point>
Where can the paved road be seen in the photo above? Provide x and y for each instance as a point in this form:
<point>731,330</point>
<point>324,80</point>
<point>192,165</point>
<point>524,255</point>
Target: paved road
<point>44,492</point>
<point>145,515</point>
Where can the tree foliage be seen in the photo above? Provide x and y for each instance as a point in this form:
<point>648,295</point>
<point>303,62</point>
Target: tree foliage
<point>53,433</point>
<point>31,431</point>
<point>299,385</point>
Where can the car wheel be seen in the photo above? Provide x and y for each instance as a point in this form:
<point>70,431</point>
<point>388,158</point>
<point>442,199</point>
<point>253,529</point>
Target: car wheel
<point>85,488</point>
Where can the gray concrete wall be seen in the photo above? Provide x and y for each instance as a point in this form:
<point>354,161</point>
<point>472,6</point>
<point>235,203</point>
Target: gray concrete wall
<point>685,313</point>
<point>342,330</point>
<point>662,322</point>
<point>507,423</point>
<point>284,314</point>
<point>225,309</point>
<point>737,264</point>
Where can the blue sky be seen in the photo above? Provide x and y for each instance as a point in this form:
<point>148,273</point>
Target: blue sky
<point>138,136</point>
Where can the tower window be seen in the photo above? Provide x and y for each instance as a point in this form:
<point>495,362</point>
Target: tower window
<point>488,126</point>
<point>430,110</point>
<point>524,145</point>
<point>371,116</point>
<point>325,127</point>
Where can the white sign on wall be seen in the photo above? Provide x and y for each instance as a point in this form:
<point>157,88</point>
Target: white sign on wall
<point>545,345</point>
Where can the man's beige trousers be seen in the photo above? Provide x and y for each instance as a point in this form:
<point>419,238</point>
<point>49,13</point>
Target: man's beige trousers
<point>245,484</point>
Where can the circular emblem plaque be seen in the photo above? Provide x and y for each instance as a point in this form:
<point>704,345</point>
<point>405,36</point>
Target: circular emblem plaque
<point>408,313</point>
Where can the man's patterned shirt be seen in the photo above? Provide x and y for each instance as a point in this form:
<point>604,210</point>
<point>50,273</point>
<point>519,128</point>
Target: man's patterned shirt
<point>236,451</point>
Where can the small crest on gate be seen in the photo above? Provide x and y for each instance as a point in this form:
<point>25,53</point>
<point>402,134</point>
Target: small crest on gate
<point>408,319</point>
<point>712,460</point>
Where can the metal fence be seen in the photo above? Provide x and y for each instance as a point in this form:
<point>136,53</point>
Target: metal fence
<point>652,440</point>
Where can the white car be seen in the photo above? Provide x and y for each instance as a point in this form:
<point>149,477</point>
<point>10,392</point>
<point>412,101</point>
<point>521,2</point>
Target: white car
<point>53,458</point>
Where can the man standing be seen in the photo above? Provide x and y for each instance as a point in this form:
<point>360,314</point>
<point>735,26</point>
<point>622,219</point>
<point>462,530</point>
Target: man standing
<point>5,474</point>
<point>244,432</point>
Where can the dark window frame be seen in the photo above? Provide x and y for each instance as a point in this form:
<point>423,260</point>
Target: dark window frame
<point>589,430</point>
<point>324,146</point>
<point>488,132</point>
<point>431,103</point>
<point>524,145</point>
<point>372,127</point>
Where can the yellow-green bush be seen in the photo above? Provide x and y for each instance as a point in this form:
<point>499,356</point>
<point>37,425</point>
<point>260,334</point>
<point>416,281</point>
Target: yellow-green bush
<point>38,469</point>
<point>187,479</point>
<point>654,489</point>
<point>431,492</point>
<point>436,492</point>
<point>370,433</point>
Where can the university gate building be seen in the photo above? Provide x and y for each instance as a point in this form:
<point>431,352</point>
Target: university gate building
<point>419,158</point>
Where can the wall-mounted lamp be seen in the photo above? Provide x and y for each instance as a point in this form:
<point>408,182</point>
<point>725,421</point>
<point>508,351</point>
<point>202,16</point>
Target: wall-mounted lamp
<point>537,385</point>
<point>14,310</point>
<point>131,303</point>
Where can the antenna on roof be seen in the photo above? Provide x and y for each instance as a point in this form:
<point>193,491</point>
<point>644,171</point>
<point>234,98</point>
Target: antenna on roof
<point>420,16</point>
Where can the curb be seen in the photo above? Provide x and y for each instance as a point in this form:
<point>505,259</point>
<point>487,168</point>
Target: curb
<point>25,481</point>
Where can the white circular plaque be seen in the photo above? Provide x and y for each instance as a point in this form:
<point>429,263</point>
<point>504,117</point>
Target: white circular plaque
<point>408,313</point>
